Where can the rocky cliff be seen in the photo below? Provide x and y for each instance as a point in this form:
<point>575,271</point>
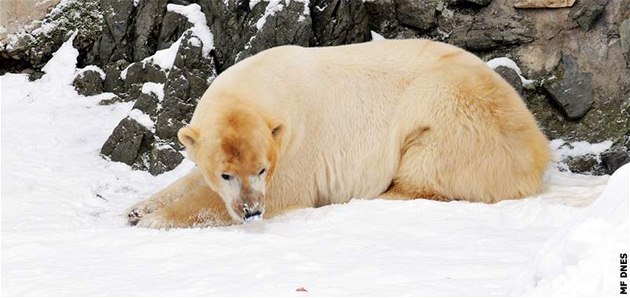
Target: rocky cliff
<point>574,57</point>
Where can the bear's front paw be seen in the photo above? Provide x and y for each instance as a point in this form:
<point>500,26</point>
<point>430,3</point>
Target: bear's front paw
<point>138,211</point>
<point>160,220</point>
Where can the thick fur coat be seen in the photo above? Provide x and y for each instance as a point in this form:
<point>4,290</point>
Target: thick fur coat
<point>295,127</point>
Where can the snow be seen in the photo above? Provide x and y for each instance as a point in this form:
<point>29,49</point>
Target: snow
<point>155,88</point>
<point>376,36</point>
<point>64,230</point>
<point>95,68</point>
<point>200,28</point>
<point>509,63</point>
<point>55,69</point>
<point>563,149</point>
<point>142,118</point>
<point>274,6</point>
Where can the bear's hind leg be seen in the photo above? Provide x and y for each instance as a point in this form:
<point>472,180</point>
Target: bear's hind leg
<point>410,181</point>
<point>406,191</point>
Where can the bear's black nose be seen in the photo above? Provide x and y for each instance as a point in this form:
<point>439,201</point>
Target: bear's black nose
<point>252,214</point>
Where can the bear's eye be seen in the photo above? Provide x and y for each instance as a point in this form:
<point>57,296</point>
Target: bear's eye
<point>262,171</point>
<point>226,177</point>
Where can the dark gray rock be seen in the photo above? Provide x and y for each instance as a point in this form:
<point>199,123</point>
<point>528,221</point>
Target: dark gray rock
<point>147,27</point>
<point>381,15</point>
<point>418,14</point>
<point>35,75</point>
<point>511,77</point>
<point>487,31</point>
<point>173,26</point>
<point>141,72</point>
<point>113,81</point>
<point>236,35</point>
<point>475,2</point>
<point>112,100</point>
<point>187,80</point>
<point>88,83</point>
<point>33,49</point>
<point>339,22</point>
<point>113,44</point>
<point>231,27</point>
<point>614,160</point>
<point>147,103</point>
<point>132,33</point>
<point>587,12</point>
<point>572,90</point>
<point>624,37</point>
<point>290,26</point>
<point>586,164</point>
<point>134,144</point>
<point>164,159</point>
<point>127,142</point>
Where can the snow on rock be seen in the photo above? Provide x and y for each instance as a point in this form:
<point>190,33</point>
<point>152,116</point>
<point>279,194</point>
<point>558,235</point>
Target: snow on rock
<point>200,28</point>
<point>163,58</point>
<point>142,118</point>
<point>562,149</point>
<point>509,63</point>
<point>95,68</point>
<point>155,88</point>
<point>166,58</point>
<point>62,66</point>
<point>376,36</point>
<point>272,7</point>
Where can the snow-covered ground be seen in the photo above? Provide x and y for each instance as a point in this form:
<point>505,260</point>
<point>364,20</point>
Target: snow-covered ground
<point>64,229</point>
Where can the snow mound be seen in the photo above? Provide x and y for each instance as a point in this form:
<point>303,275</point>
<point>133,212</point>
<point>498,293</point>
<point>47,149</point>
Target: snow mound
<point>60,67</point>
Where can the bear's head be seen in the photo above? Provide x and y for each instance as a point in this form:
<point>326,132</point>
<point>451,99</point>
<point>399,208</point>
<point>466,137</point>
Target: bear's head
<point>237,153</point>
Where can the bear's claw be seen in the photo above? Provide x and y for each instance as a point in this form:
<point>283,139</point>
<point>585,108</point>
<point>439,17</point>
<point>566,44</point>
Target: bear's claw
<point>133,217</point>
<point>139,211</point>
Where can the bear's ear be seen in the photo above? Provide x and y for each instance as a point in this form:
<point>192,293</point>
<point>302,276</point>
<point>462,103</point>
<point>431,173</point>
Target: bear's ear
<point>188,136</point>
<point>277,129</point>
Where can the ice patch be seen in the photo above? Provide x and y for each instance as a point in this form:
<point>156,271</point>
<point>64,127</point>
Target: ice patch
<point>509,63</point>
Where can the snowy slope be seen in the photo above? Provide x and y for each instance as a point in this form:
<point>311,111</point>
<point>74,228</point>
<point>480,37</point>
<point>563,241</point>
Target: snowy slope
<point>64,230</point>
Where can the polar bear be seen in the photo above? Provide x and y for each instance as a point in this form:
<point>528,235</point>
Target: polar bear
<point>295,127</point>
